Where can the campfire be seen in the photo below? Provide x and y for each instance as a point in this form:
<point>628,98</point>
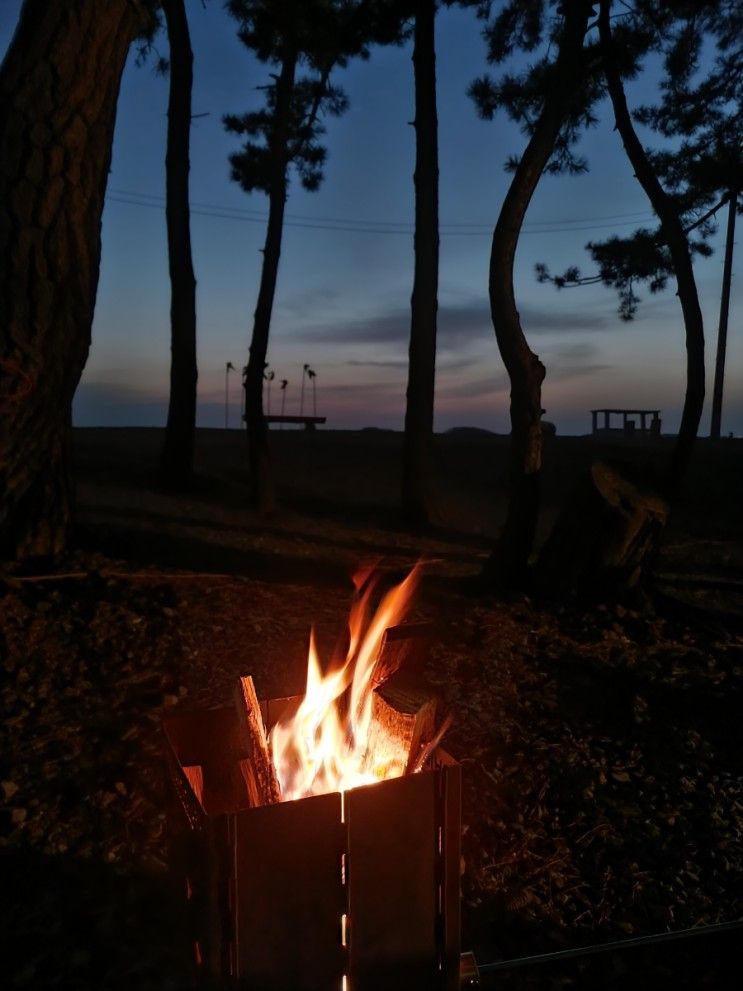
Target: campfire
<point>319,834</point>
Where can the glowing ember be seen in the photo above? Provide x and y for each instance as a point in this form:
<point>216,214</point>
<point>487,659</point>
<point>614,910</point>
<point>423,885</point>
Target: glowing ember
<point>332,743</point>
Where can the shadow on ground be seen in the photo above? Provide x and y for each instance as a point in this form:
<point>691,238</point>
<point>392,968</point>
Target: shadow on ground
<point>80,924</point>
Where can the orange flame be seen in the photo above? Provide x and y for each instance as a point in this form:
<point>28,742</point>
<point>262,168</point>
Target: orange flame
<point>326,746</point>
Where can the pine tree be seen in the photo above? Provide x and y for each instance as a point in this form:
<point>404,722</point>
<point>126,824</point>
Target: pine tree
<point>552,100</point>
<point>687,186</point>
<point>619,40</point>
<point>178,449</point>
<point>417,493</point>
<point>418,498</point>
<point>303,41</point>
<point>59,86</point>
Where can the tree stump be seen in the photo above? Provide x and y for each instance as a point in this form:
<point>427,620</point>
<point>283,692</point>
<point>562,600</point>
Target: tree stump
<point>604,540</point>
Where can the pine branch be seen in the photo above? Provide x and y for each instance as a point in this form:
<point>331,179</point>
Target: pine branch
<point>708,214</point>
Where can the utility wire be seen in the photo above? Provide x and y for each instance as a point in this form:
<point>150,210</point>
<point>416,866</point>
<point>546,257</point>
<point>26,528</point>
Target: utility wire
<point>377,223</point>
<point>614,947</point>
<point>374,227</point>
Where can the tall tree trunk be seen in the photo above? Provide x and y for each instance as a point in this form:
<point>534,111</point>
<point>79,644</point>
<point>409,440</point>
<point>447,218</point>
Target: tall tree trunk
<point>678,245</point>
<point>722,333</point>
<point>416,474</point>
<point>263,493</point>
<point>177,455</point>
<point>507,565</point>
<point>59,86</point>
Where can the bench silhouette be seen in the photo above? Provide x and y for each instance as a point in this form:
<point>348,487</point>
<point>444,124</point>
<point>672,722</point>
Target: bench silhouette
<point>628,427</point>
<point>309,422</point>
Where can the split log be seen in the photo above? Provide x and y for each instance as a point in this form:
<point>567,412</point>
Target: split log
<point>390,734</point>
<point>427,751</point>
<point>424,729</point>
<point>224,787</point>
<point>206,747</point>
<point>195,777</point>
<point>256,767</point>
<point>405,645</point>
<point>604,541</point>
<point>389,723</point>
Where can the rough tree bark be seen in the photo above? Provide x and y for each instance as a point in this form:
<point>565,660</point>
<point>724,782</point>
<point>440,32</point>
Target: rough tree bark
<point>507,565</point>
<point>416,473</point>
<point>678,245</point>
<point>59,86</point>
<point>263,494</point>
<point>177,454</point>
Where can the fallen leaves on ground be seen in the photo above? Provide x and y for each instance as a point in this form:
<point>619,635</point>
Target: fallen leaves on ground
<point>601,756</point>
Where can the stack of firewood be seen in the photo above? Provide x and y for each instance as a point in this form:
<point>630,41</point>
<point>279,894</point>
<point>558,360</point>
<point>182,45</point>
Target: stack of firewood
<point>405,717</point>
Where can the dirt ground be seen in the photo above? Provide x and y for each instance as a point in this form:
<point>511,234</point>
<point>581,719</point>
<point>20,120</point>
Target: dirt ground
<point>601,748</point>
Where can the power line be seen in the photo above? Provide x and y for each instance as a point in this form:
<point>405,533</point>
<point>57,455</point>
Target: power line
<point>261,215</point>
<point>365,227</point>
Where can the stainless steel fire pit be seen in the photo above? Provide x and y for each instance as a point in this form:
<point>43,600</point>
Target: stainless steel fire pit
<point>338,892</point>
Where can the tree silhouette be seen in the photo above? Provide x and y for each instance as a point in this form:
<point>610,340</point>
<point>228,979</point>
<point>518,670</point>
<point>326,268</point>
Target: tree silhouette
<point>625,35</point>
<point>59,84</point>
<point>269,377</point>
<point>177,453</point>
<point>229,367</point>
<point>319,35</point>
<point>727,274</point>
<point>418,437</point>
<point>312,376</point>
<point>305,369</point>
<point>417,496</point>
<point>284,383</point>
<point>686,187</point>
<point>558,88</point>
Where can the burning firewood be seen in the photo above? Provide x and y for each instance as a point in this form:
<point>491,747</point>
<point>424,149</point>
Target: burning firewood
<point>390,734</point>
<point>429,748</point>
<point>195,777</point>
<point>424,729</point>
<point>399,677</point>
<point>402,646</point>
<point>257,769</point>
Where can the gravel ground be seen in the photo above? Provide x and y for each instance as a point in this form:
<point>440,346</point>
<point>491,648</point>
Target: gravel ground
<point>601,750</point>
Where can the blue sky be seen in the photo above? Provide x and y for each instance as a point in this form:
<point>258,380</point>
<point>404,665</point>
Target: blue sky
<point>343,296</point>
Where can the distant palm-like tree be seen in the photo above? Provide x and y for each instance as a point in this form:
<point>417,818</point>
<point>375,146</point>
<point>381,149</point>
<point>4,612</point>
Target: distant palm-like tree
<point>284,383</point>
<point>312,376</point>
<point>305,369</point>
<point>244,379</point>
<point>302,42</point>
<point>269,377</point>
<point>229,367</point>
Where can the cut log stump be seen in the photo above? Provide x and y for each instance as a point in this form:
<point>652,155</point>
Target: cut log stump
<point>604,541</point>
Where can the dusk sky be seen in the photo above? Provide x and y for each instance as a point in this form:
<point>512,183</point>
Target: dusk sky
<point>345,279</point>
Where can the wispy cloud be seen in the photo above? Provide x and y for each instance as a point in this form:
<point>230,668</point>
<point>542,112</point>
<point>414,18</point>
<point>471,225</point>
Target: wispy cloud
<point>570,359</point>
<point>536,320</point>
<point>459,325</point>
<point>571,351</point>
<point>302,303</point>
<point>358,363</point>
<point>367,389</point>
<point>469,389</point>
<point>564,372</point>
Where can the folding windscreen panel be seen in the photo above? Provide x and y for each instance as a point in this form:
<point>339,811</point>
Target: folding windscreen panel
<point>352,892</point>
